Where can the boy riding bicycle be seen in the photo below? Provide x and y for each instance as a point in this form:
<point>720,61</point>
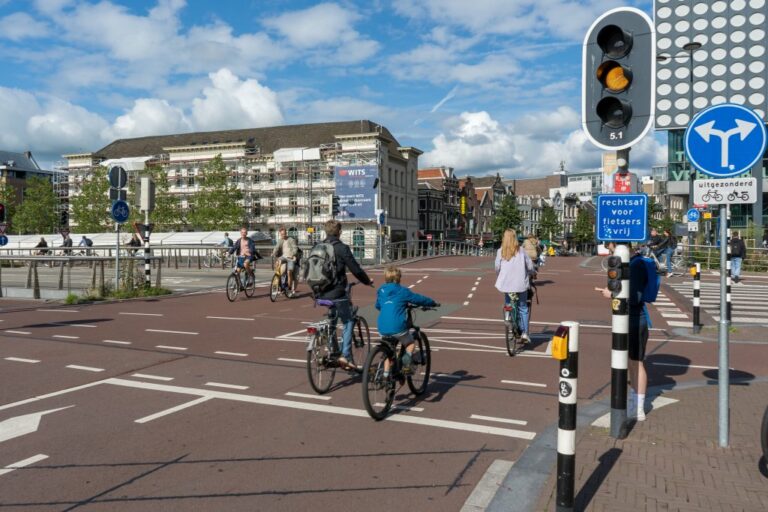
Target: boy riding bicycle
<point>246,252</point>
<point>392,300</point>
<point>287,250</point>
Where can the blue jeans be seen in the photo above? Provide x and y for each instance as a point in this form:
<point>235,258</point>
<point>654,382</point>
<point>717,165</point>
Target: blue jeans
<point>344,312</point>
<point>522,304</point>
<point>735,267</point>
<point>669,252</point>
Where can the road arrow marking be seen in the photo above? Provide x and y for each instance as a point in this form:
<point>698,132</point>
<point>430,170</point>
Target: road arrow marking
<point>23,425</point>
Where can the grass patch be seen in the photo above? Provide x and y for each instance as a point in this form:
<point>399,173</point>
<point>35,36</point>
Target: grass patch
<point>93,295</point>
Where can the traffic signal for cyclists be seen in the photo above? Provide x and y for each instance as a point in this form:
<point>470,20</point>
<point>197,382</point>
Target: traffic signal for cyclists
<point>618,78</point>
<point>2,212</point>
<point>335,206</point>
<point>614,275</point>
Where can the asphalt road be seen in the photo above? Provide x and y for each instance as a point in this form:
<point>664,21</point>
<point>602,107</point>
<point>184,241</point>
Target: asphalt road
<point>194,403</point>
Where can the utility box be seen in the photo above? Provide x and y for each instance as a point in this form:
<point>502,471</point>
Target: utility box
<point>147,202</point>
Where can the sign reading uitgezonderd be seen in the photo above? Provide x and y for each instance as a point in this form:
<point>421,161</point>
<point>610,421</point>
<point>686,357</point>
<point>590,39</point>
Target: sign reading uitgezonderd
<point>725,191</point>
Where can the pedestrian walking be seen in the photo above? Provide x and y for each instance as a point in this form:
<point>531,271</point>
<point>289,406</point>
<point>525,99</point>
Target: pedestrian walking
<point>738,253</point>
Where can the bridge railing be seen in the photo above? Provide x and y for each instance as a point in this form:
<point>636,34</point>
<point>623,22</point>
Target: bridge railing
<point>709,257</point>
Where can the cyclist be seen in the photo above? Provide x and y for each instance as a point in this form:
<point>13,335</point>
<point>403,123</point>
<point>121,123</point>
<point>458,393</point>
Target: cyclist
<point>515,271</point>
<point>345,260</point>
<point>245,250</point>
<point>392,300</point>
<point>227,242</point>
<point>532,249</point>
<point>87,243</point>
<point>43,246</point>
<point>669,249</point>
<point>287,250</point>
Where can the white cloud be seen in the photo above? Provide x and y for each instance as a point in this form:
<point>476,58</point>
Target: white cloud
<point>475,143</point>
<point>148,117</point>
<point>20,25</point>
<point>234,103</point>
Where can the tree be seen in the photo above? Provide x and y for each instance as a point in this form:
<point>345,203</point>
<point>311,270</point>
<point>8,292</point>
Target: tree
<point>90,208</point>
<point>584,229</point>
<point>9,198</point>
<point>506,217</point>
<point>549,224</point>
<point>38,212</point>
<point>216,206</point>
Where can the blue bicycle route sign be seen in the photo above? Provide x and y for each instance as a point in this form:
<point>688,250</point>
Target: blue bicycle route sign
<point>693,215</point>
<point>3,240</point>
<point>725,140</point>
<point>622,217</point>
<point>120,211</point>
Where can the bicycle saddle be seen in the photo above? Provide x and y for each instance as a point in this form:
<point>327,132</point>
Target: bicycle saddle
<point>325,302</point>
<point>390,339</point>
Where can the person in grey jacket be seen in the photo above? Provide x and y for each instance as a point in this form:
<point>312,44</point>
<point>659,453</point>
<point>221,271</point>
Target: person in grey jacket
<point>515,270</point>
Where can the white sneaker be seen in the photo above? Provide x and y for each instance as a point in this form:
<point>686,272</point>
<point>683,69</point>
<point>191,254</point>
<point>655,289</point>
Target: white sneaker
<point>640,414</point>
<point>524,338</point>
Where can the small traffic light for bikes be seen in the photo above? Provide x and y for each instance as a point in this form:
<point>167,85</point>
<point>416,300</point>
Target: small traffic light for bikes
<point>2,212</point>
<point>618,78</point>
<point>614,275</point>
<point>335,206</point>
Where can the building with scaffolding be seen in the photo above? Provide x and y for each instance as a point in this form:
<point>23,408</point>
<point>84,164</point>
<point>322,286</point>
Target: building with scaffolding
<point>288,175</point>
<point>17,168</point>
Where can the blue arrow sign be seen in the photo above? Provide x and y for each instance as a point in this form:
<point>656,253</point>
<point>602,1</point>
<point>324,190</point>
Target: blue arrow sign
<point>725,140</point>
<point>622,217</point>
<point>120,211</point>
<point>693,215</point>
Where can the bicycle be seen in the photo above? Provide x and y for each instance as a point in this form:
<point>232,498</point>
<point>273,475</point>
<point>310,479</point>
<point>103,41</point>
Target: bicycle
<point>219,258</point>
<point>279,283</point>
<point>380,384</point>
<point>712,195</point>
<point>323,345</point>
<point>236,282</point>
<point>511,314</point>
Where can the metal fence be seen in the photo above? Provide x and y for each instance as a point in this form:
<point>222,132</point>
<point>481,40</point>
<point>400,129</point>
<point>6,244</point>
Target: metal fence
<point>709,257</point>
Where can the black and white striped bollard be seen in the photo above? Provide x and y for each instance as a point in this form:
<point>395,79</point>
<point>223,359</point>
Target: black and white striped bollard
<point>728,279</point>
<point>696,271</point>
<point>147,262</point>
<point>620,348</point>
<point>565,347</point>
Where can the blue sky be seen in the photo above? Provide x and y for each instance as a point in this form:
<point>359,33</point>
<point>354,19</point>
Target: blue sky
<point>482,85</point>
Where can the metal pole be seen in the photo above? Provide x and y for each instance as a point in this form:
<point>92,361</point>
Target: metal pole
<point>697,299</point>
<point>722,372</point>
<point>620,348</point>
<point>566,431</point>
<point>757,208</point>
<point>117,256</point>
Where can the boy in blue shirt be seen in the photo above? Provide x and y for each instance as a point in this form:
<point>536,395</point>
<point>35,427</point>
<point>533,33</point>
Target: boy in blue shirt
<point>392,300</point>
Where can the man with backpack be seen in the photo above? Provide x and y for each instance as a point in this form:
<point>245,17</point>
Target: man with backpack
<point>738,253</point>
<point>326,275</point>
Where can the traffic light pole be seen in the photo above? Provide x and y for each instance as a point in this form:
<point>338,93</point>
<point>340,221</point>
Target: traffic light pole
<point>619,348</point>
<point>117,256</point>
<point>722,372</point>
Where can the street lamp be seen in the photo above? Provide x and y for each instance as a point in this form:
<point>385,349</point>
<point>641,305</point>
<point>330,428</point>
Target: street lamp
<point>688,50</point>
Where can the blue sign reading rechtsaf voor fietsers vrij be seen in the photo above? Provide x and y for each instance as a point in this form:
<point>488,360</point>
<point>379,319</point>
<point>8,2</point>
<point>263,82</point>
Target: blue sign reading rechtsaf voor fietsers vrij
<point>622,217</point>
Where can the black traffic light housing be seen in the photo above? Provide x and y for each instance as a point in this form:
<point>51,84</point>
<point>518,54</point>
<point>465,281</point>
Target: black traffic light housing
<point>335,206</point>
<point>614,275</point>
<point>619,78</point>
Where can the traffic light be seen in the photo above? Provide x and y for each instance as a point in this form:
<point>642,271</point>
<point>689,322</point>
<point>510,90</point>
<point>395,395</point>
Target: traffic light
<point>335,206</point>
<point>618,78</point>
<point>2,212</point>
<point>614,275</point>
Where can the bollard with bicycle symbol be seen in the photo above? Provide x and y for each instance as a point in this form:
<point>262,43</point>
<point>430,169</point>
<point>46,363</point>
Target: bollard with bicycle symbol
<point>565,348</point>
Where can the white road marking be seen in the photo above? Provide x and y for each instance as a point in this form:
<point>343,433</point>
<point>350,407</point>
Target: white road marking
<point>427,276</point>
<point>59,310</point>
<point>22,360</point>
<point>419,281</point>
<point>227,386</point>
<point>500,420</point>
<point>66,337</point>
<point>660,340</point>
<point>293,334</point>
<point>289,360</point>
<point>237,354</point>
<point>674,323</point>
<point>476,345</point>
<point>230,318</point>
<point>22,463</point>
<point>498,351</point>
<point>18,332</point>
<point>411,286</point>
<point>687,366</point>
<point>172,410</point>
<point>23,425</point>
<point>61,324</point>
<point>470,295</point>
<point>673,315</point>
<point>171,347</point>
<point>487,487</point>
<point>50,395</point>
<point>152,377</point>
<point>523,383</point>
<point>305,395</point>
<point>593,326</point>
<point>446,376</point>
<point>117,342</point>
<point>405,408</point>
<point>293,340</point>
<point>474,288</point>
<point>85,368</point>
<point>466,303</point>
<point>141,314</point>
<point>657,403</point>
<point>172,332</point>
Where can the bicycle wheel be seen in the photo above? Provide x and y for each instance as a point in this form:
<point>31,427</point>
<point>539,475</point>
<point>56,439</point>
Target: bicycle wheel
<point>233,287</point>
<point>422,364</point>
<point>274,288</point>
<point>378,390</point>
<point>250,285</point>
<point>320,374</point>
<point>512,332</point>
<point>764,435</point>
<point>604,264</point>
<point>361,342</point>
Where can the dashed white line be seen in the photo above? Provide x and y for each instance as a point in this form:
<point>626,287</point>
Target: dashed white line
<point>22,360</point>
<point>230,318</point>
<point>237,354</point>
<point>170,347</point>
<point>172,410</point>
<point>116,342</point>
<point>293,340</point>
<point>85,368</point>
<point>411,286</point>
<point>152,377</point>
<point>687,366</point>
<point>65,337</point>
<point>499,420</point>
<point>18,332</point>
<point>305,395</point>
<point>466,303</point>
<point>62,324</point>
<point>406,408</point>
<point>22,463</point>
<point>59,310</point>
<point>140,314</point>
<point>225,386</point>
<point>474,288</point>
<point>523,383</point>
<point>470,295</point>
<point>172,332</point>
<point>287,359</point>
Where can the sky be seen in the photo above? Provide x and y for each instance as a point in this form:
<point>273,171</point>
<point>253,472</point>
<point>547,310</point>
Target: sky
<point>482,86</point>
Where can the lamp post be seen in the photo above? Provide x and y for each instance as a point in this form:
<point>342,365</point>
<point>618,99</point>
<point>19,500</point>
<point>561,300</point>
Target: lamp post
<point>688,50</point>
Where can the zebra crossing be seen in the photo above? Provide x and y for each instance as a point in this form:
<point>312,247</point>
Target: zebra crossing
<point>749,302</point>
<point>671,313</point>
